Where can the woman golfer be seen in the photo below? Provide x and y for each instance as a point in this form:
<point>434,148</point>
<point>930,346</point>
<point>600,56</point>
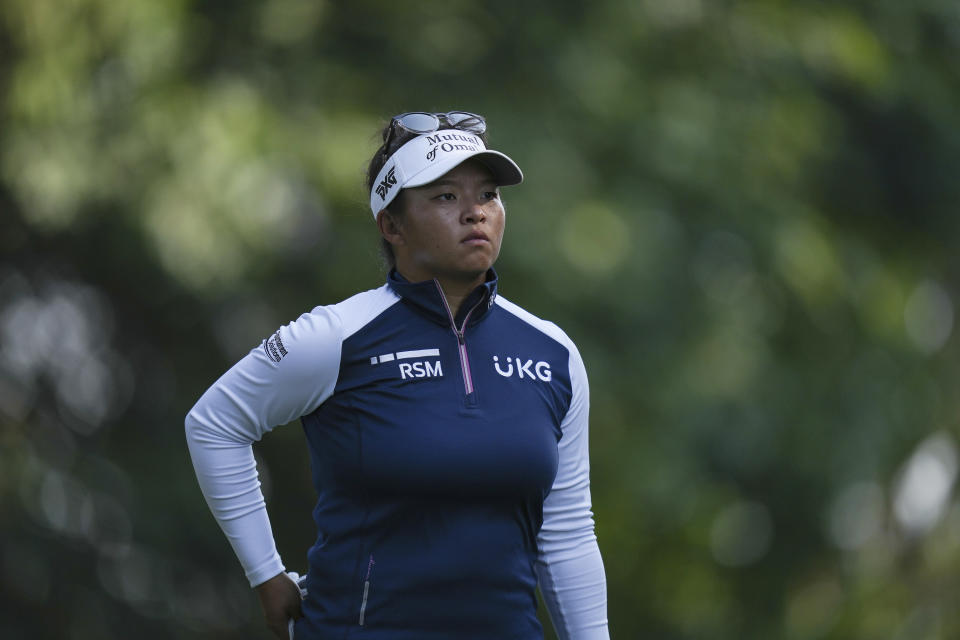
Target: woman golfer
<point>447,428</point>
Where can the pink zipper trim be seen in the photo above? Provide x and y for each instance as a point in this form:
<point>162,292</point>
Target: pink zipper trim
<point>465,365</point>
<point>461,340</point>
<point>366,591</point>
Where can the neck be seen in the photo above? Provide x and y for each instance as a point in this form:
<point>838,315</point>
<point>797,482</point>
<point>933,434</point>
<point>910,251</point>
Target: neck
<point>456,291</point>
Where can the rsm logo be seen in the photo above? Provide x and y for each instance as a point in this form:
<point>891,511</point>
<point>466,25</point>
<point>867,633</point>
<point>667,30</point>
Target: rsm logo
<point>420,370</point>
<point>524,368</point>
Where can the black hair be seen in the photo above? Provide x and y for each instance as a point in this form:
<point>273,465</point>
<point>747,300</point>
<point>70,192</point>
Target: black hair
<point>396,207</point>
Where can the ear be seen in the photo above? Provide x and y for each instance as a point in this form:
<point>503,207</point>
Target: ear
<point>390,227</point>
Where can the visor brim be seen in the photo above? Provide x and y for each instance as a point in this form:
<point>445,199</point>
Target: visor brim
<point>505,171</point>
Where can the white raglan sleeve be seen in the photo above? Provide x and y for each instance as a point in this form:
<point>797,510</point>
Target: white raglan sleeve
<point>289,375</point>
<point>569,568</point>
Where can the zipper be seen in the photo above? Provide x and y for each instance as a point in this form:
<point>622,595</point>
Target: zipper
<point>366,590</point>
<point>461,340</point>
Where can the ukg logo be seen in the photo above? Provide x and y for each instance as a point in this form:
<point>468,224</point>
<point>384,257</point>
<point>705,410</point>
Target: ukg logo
<point>523,369</point>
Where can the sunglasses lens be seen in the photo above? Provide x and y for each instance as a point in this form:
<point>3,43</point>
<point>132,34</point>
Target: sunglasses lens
<point>467,121</point>
<point>419,122</point>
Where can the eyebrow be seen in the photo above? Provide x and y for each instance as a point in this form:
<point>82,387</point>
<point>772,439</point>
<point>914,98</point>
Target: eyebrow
<point>447,183</point>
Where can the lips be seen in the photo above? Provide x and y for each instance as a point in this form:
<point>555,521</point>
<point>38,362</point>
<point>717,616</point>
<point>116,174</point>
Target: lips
<point>476,237</point>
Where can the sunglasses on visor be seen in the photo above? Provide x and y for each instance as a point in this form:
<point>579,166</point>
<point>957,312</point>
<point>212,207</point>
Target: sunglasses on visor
<point>421,122</point>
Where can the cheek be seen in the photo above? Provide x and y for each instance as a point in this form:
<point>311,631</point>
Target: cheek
<point>499,220</point>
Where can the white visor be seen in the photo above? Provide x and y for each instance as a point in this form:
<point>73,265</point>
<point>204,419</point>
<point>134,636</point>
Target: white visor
<point>429,156</point>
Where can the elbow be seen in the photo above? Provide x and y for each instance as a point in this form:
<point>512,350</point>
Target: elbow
<point>568,542</point>
<point>191,429</point>
<point>209,425</point>
<point>193,426</point>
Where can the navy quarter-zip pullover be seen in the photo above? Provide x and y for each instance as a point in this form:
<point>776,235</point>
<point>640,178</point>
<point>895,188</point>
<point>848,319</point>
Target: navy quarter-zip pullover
<point>449,457</point>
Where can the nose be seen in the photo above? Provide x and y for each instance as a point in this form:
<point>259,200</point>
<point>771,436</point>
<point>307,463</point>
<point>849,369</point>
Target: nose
<point>474,213</point>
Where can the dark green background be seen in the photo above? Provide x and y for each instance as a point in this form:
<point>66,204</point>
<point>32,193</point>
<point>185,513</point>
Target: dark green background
<point>744,213</point>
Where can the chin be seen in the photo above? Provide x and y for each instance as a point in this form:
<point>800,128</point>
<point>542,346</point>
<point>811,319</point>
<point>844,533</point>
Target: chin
<point>472,272</point>
<point>479,267</point>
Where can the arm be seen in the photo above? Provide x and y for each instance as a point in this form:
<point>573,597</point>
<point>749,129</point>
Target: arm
<point>569,568</point>
<point>270,386</point>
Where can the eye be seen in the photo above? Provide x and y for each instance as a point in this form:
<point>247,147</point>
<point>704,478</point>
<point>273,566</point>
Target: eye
<point>491,195</point>
<point>446,197</point>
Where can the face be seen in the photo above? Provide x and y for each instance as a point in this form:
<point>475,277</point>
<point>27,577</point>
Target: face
<point>451,229</point>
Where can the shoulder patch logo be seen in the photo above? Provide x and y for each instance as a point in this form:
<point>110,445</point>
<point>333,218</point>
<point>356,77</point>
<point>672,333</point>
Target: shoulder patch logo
<point>273,347</point>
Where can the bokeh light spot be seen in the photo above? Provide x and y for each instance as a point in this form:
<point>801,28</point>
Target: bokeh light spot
<point>922,490</point>
<point>741,534</point>
<point>855,515</point>
<point>928,316</point>
<point>594,238</point>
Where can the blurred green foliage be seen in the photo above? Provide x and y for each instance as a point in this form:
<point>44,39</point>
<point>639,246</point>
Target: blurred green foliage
<point>745,214</point>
